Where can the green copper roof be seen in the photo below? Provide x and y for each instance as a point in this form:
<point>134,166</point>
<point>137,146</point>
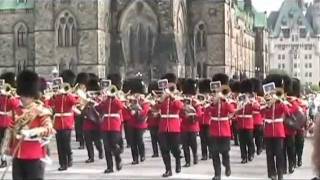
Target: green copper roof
<point>15,5</point>
<point>289,14</point>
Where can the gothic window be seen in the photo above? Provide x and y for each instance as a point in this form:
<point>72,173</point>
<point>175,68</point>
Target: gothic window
<point>199,71</point>
<point>21,35</point>
<point>201,37</point>
<point>66,30</point>
<point>205,69</point>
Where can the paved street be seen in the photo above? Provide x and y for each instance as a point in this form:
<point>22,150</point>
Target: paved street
<point>152,168</point>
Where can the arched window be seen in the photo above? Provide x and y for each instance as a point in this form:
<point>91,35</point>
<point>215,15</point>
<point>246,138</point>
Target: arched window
<point>66,30</point>
<point>205,70</point>
<point>21,35</point>
<point>199,70</point>
<point>201,37</point>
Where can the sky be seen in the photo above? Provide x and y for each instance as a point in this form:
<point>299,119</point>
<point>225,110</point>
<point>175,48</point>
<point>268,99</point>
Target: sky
<point>269,5</point>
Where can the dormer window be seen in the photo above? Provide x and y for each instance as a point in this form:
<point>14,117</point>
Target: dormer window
<point>286,32</point>
<point>303,33</point>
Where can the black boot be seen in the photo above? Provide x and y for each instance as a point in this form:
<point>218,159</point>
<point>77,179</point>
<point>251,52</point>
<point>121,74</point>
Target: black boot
<point>119,166</point>
<point>108,171</point>
<point>167,173</point>
<point>70,160</point>
<point>62,168</point>
<point>291,170</point>
<point>90,160</point>
<point>101,155</point>
<point>244,161</point>
<point>155,155</point>
<point>195,159</point>
<point>299,164</point>
<point>187,164</point>
<point>81,145</point>
<point>3,164</point>
<point>142,158</point>
<point>204,157</point>
<point>228,171</point>
<point>178,165</point>
<point>216,178</point>
<point>250,158</point>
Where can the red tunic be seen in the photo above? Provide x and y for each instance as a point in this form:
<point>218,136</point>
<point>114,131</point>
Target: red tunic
<point>170,119</point>
<point>111,108</point>
<point>7,105</point>
<point>186,124</point>
<point>274,115</point>
<point>62,105</point>
<point>42,126</point>
<point>135,123</point>
<point>203,118</point>
<point>258,119</point>
<point>220,121</point>
<point>294,107</point>
<point>245,116</point>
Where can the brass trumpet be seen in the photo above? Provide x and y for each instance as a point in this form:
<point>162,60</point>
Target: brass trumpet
<point>7,89</point>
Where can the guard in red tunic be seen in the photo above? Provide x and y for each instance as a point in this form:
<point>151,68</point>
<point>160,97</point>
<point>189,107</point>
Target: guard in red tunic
<point>169,126</point>
<point>274,113</point>
<point>258,119</point>
<point>110,109</point>
<point>91,126</point>
<point>32,124</point>
<point>246,107</point>
<point>154,119</point>
<point>81,82</point>
<point>190,125</point>
<point>204,121</point>
<point>62,105</point>
<point>235,88</point>
<point>289,142</point>
<point>139,110</point>
<point>220,111</point>
<point>8,103</point>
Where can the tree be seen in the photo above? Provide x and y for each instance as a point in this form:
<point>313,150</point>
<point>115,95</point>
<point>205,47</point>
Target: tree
<point>278,71</point>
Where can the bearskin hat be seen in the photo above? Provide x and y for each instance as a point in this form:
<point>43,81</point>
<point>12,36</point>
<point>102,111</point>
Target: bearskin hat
<point>257,86</point>
<point>275,78</point>
<point>9,78</point>
<point>82,78</point>
<point>223,78</point>
<point>43,84</point>
<point>115,79</point>
<point>93,85</point>
<point>287,83</point>
<point>180,83</point>
<point>190,87</point>
<point>28,84</point>
<point>235,86</point>
<point>204,86</point>
<point>137,86</point>
<point>153,86</point>
<point>93,76</point>
<point>68,77</point>
<point>296,88</point>
<point>246,86</point>
<point>172,78</point>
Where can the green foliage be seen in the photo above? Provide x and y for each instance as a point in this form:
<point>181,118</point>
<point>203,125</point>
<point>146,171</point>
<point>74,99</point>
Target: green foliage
<point>315,88</point>
<point>278,71</point>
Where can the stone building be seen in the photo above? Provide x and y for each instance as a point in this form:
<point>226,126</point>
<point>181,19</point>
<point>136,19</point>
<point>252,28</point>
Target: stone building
<point>295,40</point>
<point>193,38</point>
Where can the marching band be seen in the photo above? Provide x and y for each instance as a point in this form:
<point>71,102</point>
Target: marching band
<point>256,115</point>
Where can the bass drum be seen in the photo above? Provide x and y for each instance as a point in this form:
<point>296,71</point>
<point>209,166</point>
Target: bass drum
<point>296,121</point>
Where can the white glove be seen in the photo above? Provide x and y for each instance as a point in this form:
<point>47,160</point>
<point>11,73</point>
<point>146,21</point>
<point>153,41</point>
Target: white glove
<point>28,134</point>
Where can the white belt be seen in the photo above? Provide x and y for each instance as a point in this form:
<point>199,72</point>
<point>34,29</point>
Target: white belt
<point>255,112</point>
<point>4,113</point>
<point>245,116</point>
<point>279,120</point>
<point>220,119</point>
<point>63,114</point>
<point>191,114</point>
<point>171,116</point>
<point>114,115</point>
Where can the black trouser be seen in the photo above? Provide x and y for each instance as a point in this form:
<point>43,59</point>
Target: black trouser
<point>127,133</point>
<point>220,146</point>
<point>154,139</point>
<point>2,134</point>
<point>27,169</point>
<point>235,132</point>
<point>169,142</point>
<point>111,146</point>
<point>63,138</point>
<point>289,152</point>
<point>79,129</point>
<point>189,140</point>
<point>137,144</point>
<point>246,143</point>
<point>205,140</point>
<point>90,137</point>
<point>299,144</point>
<point>258,137</point>
<point>274,150</point>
